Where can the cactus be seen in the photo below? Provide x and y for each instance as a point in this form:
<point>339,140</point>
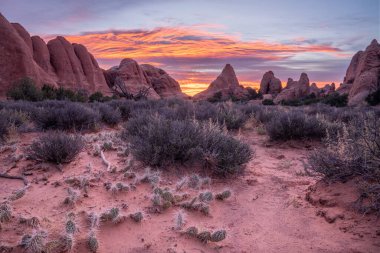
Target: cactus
<point>206,181</point>
<point>111,215</point>
<point>158,190</point>
<point>66,242</point>
<point>129,174</point>
<point>167,205</point>
<point>168,196</point>
<point>122,187</point>
<point>192,231</point>
<point>152,177</point>
<point>179,220</point>
<point>194,181</point>
<point>181,183</point>
<point>92,242</point>
<point>18,194</point>
<point>204,236</point>
<point>70,226</point>
<point>93,219</point>
<point>156,200</point>
<point>72,198</point>
<point>205,209</point>
<point>206,196</point>
<point>137,217</point>
<point>223,195</point>
<point>107,185</point>
<point>5,212</point>
<point>34,243</point>
<point>218,236</point>
<point>33,222</point>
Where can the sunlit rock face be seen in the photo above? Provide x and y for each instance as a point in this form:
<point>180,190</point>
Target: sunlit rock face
<point>294,89</point>
<point>270,84</point>
<point>226,83</point>
<point>58,63</point>
<point>363,74</point>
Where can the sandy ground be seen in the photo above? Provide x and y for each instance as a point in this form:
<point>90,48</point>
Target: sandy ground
<point>268,211</point>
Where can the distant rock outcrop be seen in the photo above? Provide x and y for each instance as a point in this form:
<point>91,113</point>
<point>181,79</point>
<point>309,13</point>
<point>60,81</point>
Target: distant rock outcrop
<point>59,63</point>
<point>133,77</point>
<point>270,84</point>
<point>162,82</point>
<point>294,89</point>
<point>363,74</point>
<point>314,90</point>
<point>226,83</point>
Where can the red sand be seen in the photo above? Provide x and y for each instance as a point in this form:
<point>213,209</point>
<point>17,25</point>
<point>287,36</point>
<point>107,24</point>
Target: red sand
<point>267,212</point>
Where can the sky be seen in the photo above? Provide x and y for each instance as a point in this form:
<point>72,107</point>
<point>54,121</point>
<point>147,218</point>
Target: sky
<point>192,39</point>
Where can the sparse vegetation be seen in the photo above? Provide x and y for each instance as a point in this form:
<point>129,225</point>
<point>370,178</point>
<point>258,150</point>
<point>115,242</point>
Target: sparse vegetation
<point>56,147</point>
<point>294,125</point>
<point>159,141</point>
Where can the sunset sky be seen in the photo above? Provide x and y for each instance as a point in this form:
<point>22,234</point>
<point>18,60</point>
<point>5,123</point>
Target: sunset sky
<point>193,40</point>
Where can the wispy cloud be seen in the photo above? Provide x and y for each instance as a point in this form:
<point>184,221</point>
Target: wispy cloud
<point>195,56</point>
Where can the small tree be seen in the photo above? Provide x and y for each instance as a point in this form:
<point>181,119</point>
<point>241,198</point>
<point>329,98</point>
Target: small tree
<point>24,89</point>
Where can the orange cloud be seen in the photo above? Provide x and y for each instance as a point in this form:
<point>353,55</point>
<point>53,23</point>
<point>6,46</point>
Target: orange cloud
<point>192,55</point>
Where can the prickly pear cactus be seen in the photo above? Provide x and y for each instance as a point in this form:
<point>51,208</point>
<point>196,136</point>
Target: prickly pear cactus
<point>204,236</point>
<point>92,242</point>
<point>192,231</point>
<point>223,195</point>
<point>206,196</point>
<point>218,236</point>
<point>137,217</point>
<point>70,226</point>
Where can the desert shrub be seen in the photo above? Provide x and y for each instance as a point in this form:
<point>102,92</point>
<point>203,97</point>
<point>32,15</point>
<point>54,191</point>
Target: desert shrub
<point>335,99</point>
<point>353,153</point>
<point>230,116</point>
<point>253,94</point>
<point>67,116</point>
<point>56,147</point>
<point>205,111</point>
<point>267,102</point>
<point>373,98</point>
<point>109,115</point>
<point>355,150</point>
<point>221,153</point>
<point>217,97</point>
<point>157,141</point>
<point>3,129</point>
<point>124,107</point>
<point>48,92</point>
<point>294,125</point>
<point>24,89</point>
<point>98,97</point>
<point>11,119</point>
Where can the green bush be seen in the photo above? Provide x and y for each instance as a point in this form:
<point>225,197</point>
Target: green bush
<point>48,92</point>
<point>267,102</point>
<point>373,98</point>
<point>335,99</point>
<point>217,97</point>
<point>24,89</point>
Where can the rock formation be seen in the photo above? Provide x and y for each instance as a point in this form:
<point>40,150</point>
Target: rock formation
<point>133,77</point>
<point>363,74</point>
<point>314,90</point>
<point>58,64</point>
<point>139,77</point>
<point>294,89</point>
<point>162,82</point>
<point>226,83</point>
<point>270,84</point>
